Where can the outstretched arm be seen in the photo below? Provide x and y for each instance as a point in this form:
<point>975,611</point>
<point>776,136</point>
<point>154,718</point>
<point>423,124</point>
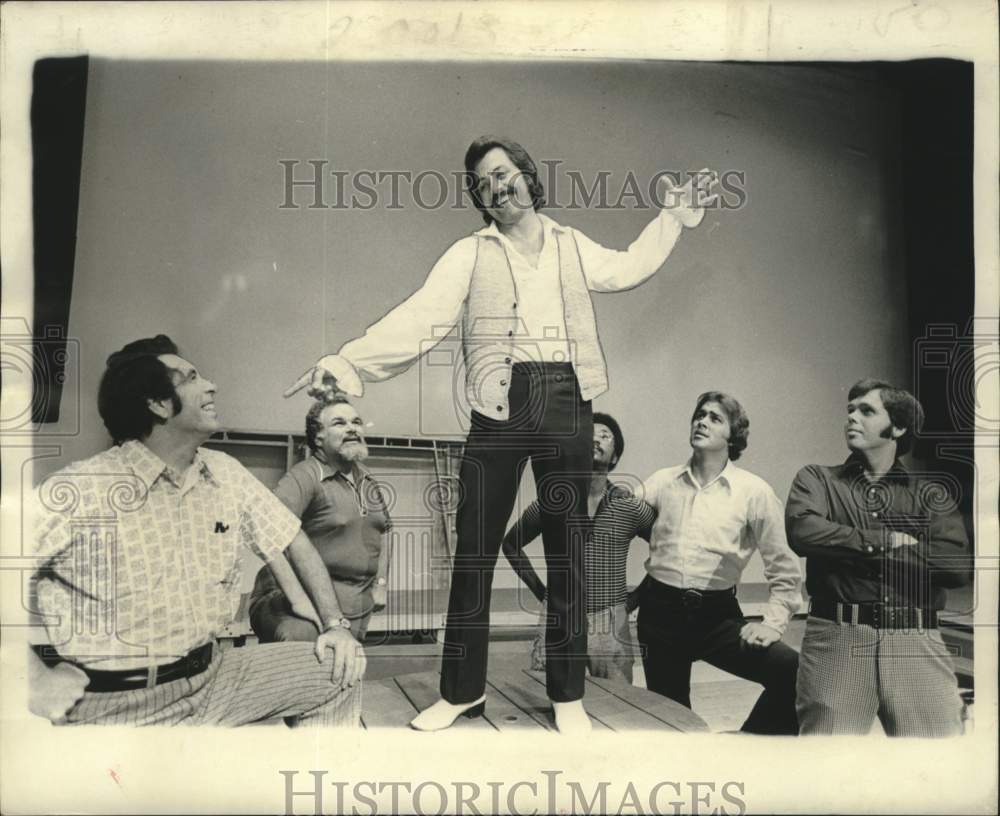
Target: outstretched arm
<point>393,343</point>
<point>609,270</point>
<point>526,529</point>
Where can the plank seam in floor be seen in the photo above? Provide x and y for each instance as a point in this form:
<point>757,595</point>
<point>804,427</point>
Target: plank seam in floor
<point>643,710</point>
<point>594,717</point>
<point>514,703</point>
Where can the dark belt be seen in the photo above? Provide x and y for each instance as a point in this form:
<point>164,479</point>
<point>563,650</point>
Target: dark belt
<point>191,665</point>
<point>689,598</point>
<point>875,614</point>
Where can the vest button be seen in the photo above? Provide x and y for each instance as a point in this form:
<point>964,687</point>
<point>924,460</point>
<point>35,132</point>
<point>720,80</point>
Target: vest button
<point>514,306</point>
<point>500,408</point>
<point>510,334</point>
<point>503,382</point>
<point>506,359</point>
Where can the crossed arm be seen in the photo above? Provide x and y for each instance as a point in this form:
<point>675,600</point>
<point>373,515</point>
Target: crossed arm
<point>943,551</point>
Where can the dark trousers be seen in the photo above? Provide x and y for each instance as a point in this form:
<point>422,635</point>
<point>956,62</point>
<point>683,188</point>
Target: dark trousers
<point>273,621</point>
<point>673,634</point>
<point>551,425</point>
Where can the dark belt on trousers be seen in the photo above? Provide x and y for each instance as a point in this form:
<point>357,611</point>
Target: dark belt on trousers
<point>688,598</point>
<point>191,665</point>
<point>879,615</point>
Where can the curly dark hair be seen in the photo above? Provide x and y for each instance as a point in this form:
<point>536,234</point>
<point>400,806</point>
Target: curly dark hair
<point>133,376</point>
<point>739,422</point>
<point>519,158</point>
<point>314,423</point>
<point>609,422</point>
<point>904,409</point>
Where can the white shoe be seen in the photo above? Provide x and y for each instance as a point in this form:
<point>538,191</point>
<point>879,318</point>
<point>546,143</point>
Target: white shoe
<point>442,714</point>
<point>571,719</point>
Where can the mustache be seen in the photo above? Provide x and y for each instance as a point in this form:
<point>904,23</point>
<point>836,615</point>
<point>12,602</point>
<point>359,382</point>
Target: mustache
<point>508,191</point>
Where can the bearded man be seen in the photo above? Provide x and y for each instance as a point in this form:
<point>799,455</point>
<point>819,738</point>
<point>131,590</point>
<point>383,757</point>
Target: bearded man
<point>345,517</point>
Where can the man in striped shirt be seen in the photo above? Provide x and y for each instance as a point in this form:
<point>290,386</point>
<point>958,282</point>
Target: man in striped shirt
<point>615,517</point>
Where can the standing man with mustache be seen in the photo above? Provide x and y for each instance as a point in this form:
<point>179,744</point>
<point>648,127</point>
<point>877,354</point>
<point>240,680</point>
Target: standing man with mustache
<point>520,288</point>
<point>344,516</point>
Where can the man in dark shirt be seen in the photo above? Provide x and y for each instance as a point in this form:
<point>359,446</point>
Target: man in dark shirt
<point>615,518</point>
<point>881,550</point>
<point>345,518</point>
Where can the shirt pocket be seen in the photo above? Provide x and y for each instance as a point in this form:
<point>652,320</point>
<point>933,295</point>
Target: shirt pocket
<point>224,545</point>
<point>721,530</point>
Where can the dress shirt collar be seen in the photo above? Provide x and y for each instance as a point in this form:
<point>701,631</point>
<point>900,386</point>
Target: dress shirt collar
<point>726,476</point>
<point>491,231</point>
<point>358,474</point>
<point>149,467</point>
<point>854,465</point>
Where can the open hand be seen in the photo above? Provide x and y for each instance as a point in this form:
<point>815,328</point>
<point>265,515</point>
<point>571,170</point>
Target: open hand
<point>687,201</point>
<point>331,374</point>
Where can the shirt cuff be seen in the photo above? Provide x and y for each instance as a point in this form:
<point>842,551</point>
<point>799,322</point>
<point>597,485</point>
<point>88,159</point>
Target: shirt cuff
<point>872,541</point>
<point>671,227</point>
<point>777,616</point>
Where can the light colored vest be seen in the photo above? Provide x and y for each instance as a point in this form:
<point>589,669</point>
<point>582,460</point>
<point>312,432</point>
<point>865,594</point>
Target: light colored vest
<point>491,327</point>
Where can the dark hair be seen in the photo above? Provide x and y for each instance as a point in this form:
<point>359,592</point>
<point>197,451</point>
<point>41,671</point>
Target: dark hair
<point>519,158</point>
<point>904,409</point>
<point>739,422</point>
<point>616,432</point>
<point>314,423</point>
<point>134,376</point>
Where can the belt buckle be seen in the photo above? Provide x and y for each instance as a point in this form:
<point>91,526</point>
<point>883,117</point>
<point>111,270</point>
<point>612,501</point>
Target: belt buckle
<point>195,661</point>
<point>692,599</point>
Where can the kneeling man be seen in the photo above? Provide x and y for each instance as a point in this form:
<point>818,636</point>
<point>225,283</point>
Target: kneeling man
<point>711,517</point>
<point>614,518</point>
<point>140,568</point>
<point>345,517</point>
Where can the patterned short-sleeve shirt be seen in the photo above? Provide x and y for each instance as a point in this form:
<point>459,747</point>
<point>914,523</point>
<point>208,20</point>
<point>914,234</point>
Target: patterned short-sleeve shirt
<point>142,564</point>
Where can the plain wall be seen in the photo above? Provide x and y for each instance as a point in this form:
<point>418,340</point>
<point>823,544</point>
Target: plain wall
<point>783,302</point>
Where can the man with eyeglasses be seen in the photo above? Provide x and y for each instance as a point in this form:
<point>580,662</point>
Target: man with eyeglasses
<point>345,517</point>
<point>139,549</point>
<point>614,518</point>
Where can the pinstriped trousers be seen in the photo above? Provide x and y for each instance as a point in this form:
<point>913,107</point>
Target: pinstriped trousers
<point>240,686</point>
<point>851,673</point>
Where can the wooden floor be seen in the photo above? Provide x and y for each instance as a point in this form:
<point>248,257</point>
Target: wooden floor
<point>516,701</point>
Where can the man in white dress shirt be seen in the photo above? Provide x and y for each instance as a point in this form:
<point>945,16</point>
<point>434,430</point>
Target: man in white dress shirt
<point>520,289</point>
<point>711,516</point>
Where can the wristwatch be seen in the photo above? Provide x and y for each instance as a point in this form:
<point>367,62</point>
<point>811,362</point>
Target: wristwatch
<point>333,624</point>
<point>380,581</point>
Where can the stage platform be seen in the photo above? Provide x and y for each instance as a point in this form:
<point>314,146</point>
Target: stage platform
<point>516,701</point>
